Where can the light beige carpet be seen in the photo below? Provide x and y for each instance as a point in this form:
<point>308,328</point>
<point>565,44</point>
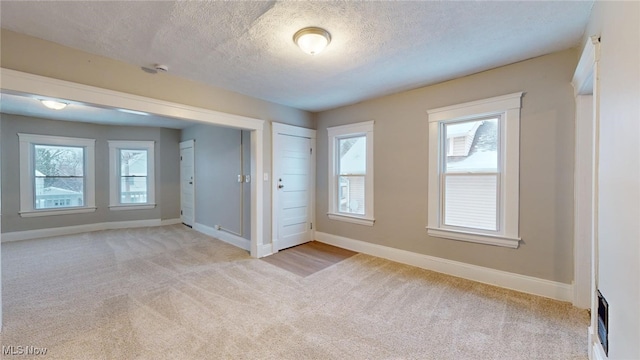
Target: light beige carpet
<point>173,293</point>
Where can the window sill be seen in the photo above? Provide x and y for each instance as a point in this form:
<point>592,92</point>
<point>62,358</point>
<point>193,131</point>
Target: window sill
<point>132,207</point>
<point>351,219</point>
<point>503,241</point>
<point>51,212</point>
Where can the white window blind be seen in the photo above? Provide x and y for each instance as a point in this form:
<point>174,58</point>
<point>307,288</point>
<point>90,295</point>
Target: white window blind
<point>470,201</point>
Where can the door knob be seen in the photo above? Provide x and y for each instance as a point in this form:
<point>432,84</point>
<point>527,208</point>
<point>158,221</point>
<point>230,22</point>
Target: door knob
<point>280,186</point>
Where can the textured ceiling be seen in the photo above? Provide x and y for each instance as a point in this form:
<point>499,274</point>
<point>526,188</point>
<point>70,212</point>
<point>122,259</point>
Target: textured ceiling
<point>377,48</point>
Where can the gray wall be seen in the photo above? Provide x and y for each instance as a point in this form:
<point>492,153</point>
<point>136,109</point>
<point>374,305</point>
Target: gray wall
<point>166,162</point>
<point>221,154</point>
<point>401,168</point>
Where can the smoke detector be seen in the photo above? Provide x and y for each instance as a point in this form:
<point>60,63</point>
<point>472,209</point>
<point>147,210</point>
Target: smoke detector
<point>155,69</point>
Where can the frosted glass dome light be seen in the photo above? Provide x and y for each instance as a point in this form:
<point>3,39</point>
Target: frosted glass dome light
<point>312,40</point>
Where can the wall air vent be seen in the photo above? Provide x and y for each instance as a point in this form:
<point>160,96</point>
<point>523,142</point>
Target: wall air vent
<point>603,322</point>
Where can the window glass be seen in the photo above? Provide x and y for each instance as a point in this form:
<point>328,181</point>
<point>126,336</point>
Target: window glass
<point>133,176</point>
<point>352,165</point>
<point>59,176</point>
<point>471,174</point>
<point>473,146</point>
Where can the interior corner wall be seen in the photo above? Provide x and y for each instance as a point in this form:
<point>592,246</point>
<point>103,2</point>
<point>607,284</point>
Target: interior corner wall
<point>401,167</point>
<point>166,164</point>
<point>169,184</point>
<point>618,255</point>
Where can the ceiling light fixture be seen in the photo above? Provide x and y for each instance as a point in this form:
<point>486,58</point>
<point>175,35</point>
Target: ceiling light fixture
<point>54,105</point>
<point>134,112</point>
<point>312,40</point>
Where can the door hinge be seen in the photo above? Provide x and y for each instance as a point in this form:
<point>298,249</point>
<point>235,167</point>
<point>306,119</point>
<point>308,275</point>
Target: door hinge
<point>311,151</point>
<point>311,226</point>
<point>180,212</point>
<point>180,158</point>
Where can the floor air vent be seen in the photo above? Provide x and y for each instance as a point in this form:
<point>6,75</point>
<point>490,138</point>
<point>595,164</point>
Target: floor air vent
<point>603,322</point>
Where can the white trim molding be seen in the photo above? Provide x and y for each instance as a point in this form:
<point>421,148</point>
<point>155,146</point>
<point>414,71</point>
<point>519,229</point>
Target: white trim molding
<point>474,237</point>
<point>227,237</point>
<point>360,220</point>
<point>506,109</point>
<point>334,134</point>
<point>28,169</point>
<point>527,284</point>
<point>70,230</point>
<point>115,146</point>
<point>21,82</point>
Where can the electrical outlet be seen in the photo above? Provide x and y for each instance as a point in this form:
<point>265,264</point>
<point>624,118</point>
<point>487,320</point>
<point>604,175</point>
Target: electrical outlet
<point>247,178</point>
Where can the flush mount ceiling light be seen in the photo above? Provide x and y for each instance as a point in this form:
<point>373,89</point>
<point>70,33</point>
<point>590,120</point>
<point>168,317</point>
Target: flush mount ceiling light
<point>54,105</point>
<point>312,40</point>
<point>134,112</point>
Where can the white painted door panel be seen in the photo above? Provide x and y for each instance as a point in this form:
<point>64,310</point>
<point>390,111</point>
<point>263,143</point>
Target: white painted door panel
<point>293,184</point>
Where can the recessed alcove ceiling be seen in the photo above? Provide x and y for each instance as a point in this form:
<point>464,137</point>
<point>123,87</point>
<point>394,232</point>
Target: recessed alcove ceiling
<point>377,48</point>
<point>29,105</point>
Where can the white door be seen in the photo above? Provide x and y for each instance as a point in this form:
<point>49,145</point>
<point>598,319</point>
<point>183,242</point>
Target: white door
<point>294,190</point>
<point>187,183</point>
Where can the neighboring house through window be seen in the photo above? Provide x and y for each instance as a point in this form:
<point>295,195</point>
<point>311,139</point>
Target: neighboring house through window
<point>56,175</point>
<point>351,173</point>
<point>132,180</point>
<point>474,154</point>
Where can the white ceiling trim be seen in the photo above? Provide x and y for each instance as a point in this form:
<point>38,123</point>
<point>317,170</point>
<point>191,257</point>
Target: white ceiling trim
<point>20,82</point>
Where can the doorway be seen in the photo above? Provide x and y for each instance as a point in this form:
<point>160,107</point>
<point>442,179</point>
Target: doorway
<point>187,183</point>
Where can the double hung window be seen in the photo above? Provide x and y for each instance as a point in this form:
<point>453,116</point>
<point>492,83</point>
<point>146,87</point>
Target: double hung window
<point>132,181</point>
<point>56,175</point>
<point>474,171</point>
<point>351,173</point>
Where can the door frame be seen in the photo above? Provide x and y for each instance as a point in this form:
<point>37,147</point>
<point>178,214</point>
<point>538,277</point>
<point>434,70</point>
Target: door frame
<point>290,130</point>
<point>587,94</point>
<point>185,145</point>
<point>24,83</point>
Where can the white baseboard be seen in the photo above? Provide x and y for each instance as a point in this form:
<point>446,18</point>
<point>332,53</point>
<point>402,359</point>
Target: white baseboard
<point>69,230</point>
<point>598,352</point>
<point>264,250</point>
<point>522,283</point>
<point>170,222</point>
<point>224,236</point>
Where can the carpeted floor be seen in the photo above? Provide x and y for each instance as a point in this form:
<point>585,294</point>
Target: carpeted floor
<point>173,293</point>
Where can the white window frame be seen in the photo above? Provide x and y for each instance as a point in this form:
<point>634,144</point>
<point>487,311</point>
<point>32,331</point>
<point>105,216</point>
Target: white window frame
<point>507,109</point>
<point>27,171</point>
<point>346,131</point>
<point>114,174</point>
